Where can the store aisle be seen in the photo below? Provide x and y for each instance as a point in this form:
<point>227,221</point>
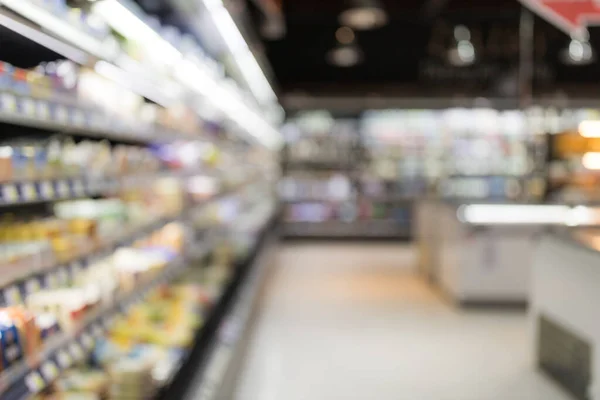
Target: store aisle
<point>347,322</point>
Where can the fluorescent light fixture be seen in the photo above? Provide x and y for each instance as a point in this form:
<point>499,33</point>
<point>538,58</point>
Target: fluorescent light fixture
<point>57,46</point>
<point>229,103</point>
<point>591,161</point>
<point>165,95</point>
<point>253,75</point>
<point>514,214</point>
<point>589,129</point>
<point>60,28</point>
<point>124,21</point>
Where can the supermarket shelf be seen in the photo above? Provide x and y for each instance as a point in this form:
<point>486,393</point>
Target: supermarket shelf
<point>33,191</point>
<point>31,377</point>
<point>373,229</point>
<point>161,87</point>
<point>203,365</point>
<point>23,279</point>
<point>52,116</point>
<point>18,282</point>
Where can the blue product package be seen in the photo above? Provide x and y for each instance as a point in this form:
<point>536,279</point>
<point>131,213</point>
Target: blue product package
<point>10,344</point>
<point>6,71</point>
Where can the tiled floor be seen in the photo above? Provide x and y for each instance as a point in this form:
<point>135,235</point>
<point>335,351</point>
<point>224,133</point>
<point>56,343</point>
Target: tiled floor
<point>355,322</point>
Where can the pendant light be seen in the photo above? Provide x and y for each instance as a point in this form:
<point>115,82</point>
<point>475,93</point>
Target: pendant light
<point>346,53</point>
<point>578,52</point>
<point>363,14</point>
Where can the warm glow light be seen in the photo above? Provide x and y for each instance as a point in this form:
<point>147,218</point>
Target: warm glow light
<point>589,129</point>
<point>591,161</point>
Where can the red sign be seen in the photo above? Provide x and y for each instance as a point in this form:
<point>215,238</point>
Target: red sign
<point>572,16</point>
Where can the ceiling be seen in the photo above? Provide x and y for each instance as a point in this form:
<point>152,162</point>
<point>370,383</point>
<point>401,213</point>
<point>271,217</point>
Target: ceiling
<point>407,57</point>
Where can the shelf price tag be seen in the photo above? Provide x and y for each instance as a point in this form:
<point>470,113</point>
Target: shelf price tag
<point>76,351</point>
<point>28,191</point>
<point>34,382</point>
<point>78,188</point>
<point>52,281</point>
<point>63,189</point>
<point>87,341</point>
<point>10,194</point>
<point>32,286</point>
<point>64,359</point>
<point>12,296</point>
<point>43,110</point>
<point>97,331</point>
<point>49,371</point>
<point>78,117</point>
<point>47,190</point>
<point>8,103</point>
<point>61,114</point>
<point>28,107</point>
<point>62,276</point>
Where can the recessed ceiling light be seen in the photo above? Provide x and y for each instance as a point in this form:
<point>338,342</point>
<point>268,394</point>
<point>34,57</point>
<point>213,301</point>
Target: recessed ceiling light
<point>364,15</point>
<point>345,35</point>
<point>345,56</point>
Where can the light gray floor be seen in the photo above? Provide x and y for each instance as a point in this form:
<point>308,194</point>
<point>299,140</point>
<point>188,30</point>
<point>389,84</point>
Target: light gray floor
<point>355,322</point>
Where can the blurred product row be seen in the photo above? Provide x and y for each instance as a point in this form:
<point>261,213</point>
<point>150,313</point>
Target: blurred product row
<point>372,167</point>
<point>125,57</point>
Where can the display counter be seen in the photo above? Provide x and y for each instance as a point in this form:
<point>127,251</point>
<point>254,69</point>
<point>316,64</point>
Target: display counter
<point>564,309</point>
<point>481,254</point>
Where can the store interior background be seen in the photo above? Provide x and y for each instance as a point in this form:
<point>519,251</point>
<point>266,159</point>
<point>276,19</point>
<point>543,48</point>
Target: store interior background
<point>299,199</point>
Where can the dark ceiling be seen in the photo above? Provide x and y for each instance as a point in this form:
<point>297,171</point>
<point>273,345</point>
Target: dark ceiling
<point>406,57</point>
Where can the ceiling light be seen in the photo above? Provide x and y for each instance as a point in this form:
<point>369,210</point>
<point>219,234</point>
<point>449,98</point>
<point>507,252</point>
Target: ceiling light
<point>589,129</point>
<point>463,53</point>
<point>124,21</point>
<point>364,14</point>
<point>345,35</point>
<point>579,52</point>
<point>253,74</point>
<point>345,56</point>
<point>591,161</point>
<point>62,29</point>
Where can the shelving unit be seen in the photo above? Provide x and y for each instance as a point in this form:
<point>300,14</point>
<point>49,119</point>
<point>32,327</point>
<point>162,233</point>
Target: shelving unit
<point>328,190</point>
<point>121,197</point>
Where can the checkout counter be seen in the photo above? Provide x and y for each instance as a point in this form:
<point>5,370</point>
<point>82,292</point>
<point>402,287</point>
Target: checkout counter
<point>482,254</point>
